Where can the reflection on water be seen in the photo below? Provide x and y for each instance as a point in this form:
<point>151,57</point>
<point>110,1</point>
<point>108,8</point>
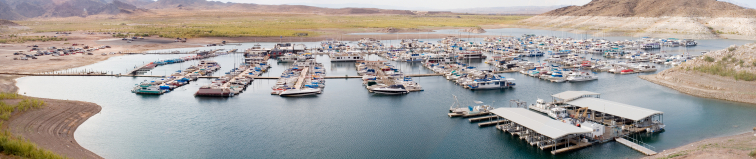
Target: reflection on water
<point>346,121</point>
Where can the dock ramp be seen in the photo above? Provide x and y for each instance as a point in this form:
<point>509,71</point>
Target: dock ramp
<point>635,146</point>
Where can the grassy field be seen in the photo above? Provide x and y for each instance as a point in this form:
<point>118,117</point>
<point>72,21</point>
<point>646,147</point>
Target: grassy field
<point>233,24</point>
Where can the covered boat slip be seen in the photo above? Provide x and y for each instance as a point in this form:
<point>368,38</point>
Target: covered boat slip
<point>633,119</point>
<point>572,95</point>
<point>542,131</point>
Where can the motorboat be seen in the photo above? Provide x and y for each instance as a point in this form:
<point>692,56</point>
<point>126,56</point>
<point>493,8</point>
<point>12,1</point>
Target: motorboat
<point>148,88</point>
<point>300,92</point>
<point>391,90</point>
<point>581,76</point>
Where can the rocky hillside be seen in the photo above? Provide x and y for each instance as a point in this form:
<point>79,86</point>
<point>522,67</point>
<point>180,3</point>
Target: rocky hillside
<point>697,19</point>
<point>21,9</point>
<point>6,12</point>
<point>655,8</point>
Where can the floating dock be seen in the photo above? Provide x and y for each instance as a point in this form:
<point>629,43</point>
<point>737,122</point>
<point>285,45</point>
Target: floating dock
<point>635,146</point>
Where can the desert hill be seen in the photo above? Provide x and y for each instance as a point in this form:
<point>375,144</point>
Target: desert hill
<point>696,19</point>
<point>22,9</point>
<point>655,8</point>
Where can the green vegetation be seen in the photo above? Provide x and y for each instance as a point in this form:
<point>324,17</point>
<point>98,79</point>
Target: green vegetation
<point>721,68</point>
<point>225,24</point>
<point>18,146</point>
<point>731,49</point>
<point>752,154</point>
<point>708,59</point>
<point>6,109</point>
<point>9,96</point>
<point>22,39</point>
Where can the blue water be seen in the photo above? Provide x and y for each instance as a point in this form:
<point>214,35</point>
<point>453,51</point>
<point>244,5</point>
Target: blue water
<point>348,122</point>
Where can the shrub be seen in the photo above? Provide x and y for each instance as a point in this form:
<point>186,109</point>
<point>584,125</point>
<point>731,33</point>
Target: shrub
<point>20,147</point>
<point>731,49</point>
<point>708,59</point>
<point>752,154</point>
<point>4,95</point>
<point>722,70</point>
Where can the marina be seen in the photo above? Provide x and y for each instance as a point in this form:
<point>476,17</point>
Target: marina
<point>344,84</point>
<point>383,78</point>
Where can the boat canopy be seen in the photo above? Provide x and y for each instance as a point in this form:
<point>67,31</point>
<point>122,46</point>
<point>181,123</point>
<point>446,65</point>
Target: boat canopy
<point>614,108</point>
<point>539,123</point>
<point>572,95</point>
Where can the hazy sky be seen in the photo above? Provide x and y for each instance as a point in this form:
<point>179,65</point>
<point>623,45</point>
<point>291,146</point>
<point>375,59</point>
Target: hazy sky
<point>438,4</point>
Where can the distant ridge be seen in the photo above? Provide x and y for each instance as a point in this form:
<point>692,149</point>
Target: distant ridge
<point>508,10</point>
<point>655,8</point>
<point>22,9</point>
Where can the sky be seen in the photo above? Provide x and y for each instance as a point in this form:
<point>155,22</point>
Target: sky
<point>437,4</point>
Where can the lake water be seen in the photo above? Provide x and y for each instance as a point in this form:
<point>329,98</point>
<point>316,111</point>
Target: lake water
<point>348,122</point>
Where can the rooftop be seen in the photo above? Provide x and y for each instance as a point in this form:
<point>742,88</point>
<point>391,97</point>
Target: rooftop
<point>614,108</point>
<point>538,122</point>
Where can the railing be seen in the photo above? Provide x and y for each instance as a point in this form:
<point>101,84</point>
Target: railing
<point>641,143</point>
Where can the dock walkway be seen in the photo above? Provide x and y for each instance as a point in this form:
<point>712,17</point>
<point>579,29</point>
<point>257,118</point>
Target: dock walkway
<point>302,77</point>
<point>635,146</point>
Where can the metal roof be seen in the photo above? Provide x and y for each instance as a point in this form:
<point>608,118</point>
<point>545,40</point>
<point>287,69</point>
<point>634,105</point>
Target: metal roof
<point>572,95</point>
<point>538,122</point>
<point>614,108</point>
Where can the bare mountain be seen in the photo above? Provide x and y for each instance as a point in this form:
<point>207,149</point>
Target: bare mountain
<point>697,19</point>
<point>654,8</point>
<point>508,10</point>
<point>6,12</point>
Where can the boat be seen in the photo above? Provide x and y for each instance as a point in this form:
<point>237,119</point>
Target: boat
<point>287,58</point>
<point>148,88</point>
<point>391,90</point>
<point>214,90</point>
<point>581,76</point>
<point>300,92</point>
<point>350,56</point>
<point>491,83</point>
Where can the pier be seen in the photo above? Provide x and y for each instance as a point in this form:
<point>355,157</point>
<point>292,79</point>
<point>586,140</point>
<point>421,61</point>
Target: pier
<point>539,130</point>
<point>302,77</point>
<point>635,146</point>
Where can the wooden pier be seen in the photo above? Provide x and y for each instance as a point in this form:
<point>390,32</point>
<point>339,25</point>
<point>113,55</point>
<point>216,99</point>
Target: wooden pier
<point>481,118</point>
<point>467,115</point>
<point>491,123</point>
<point>635,146</point>
<point>577,145</point>
<point>302,77</point>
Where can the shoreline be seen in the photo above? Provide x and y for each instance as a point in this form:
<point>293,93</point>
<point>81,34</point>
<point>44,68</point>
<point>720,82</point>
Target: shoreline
<point>704,89</point>
<point>51,127</point>
<point>732,146</point>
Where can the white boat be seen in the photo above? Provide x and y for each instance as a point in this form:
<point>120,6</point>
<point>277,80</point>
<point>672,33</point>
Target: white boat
<point>491,83</point>
<point>392,90</point>
<point>581,76</point>
<point>287,58</point>
<point>346,57</point>
<point>300,92</point>
<point>148,88</point>
<point>645,68</point>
